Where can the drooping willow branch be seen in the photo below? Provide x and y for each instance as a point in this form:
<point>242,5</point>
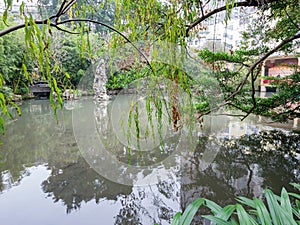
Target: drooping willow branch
<point>65,6</point>
<point>53,21</point>
<point>56,25</point>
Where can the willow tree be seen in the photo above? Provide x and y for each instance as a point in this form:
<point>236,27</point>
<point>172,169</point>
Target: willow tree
<point>153,22</point>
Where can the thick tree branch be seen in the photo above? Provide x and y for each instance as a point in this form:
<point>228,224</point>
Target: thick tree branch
<point>65,6</point>
<point>246,3</point>
<point>215,11</point>
<point>20,26</point>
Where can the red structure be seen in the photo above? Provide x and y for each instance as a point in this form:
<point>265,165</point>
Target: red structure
<point>277,67</point>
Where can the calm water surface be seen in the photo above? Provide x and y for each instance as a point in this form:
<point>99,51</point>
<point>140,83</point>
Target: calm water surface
<point>46,178</point>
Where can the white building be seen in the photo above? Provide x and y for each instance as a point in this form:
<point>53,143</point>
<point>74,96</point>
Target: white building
<point>30,7</point>
<point>221,36</point>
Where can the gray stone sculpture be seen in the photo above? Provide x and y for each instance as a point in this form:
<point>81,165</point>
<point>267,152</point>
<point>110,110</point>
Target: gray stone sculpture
<point>100,81</point>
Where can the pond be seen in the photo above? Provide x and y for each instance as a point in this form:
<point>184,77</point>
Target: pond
<point>80,169</point>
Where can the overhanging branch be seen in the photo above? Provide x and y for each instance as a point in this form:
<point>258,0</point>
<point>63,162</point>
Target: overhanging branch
<point>111,28</point>
<point>20,26</point>
<point>251,69</point>
<point>246,3</point>
<point>211,13</point>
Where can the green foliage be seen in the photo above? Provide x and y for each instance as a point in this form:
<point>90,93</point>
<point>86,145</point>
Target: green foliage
<point>124,78</point>
<point>230,70</point>
<point>287,19</point>
<point>12,78</point>
<point>238,56</point>
<point>284,104</point>
<point>202,106</point>
<point>189,213</point>
<point>275,210</point>
<point>277,22</point>
<point>69,62</point>
<point>7,92</point>
<point>11,60</point>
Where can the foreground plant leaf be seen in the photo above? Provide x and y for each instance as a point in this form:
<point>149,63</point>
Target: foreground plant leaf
<point>191,210</point>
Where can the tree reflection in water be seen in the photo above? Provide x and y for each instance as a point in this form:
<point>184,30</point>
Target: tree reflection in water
<point>243,166</point>
<point>78,183</point>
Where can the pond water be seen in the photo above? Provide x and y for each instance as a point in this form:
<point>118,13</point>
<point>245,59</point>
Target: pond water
<point>52,173</point>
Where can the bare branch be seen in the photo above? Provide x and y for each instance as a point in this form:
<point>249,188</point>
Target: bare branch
<point>237,107</point>
<point>232,61</point>
<point>60,9</point>
<point>68,6</point>
<point>292,21</point>
<point>228,114</point>
<point>201,7</point>
<point>246,3</point>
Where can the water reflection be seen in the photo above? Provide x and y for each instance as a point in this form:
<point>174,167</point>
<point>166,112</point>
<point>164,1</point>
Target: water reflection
<point>244,166</point>
<point>37,138</point>
<point>77,183</point>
